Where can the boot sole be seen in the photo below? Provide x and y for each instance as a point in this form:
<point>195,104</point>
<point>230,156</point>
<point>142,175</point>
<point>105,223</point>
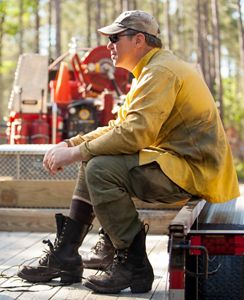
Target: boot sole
<point>95,267</point>
<point>66,277</point>
<point>134,287</point>
<point>38,278</point>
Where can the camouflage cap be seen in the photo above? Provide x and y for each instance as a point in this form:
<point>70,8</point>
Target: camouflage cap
<point>132,19</point>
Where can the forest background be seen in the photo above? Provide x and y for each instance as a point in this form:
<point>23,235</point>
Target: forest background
<point>209,33</point>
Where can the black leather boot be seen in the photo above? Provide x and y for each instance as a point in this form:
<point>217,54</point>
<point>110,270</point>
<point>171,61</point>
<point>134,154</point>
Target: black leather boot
<point>101,255</point>
<point>131,268</point>
<point>62,259</point>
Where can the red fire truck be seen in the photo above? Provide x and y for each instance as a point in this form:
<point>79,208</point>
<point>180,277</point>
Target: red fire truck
<point>51,102</point>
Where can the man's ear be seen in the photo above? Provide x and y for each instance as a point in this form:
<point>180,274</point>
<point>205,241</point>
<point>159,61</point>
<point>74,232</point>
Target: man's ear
<point>140,40</point>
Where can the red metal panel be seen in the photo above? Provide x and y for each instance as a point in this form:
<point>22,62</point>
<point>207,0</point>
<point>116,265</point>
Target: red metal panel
<point>218,244</point>
<point>177,279</point>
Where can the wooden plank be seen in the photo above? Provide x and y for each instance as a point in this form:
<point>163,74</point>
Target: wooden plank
<point>34,220</point>
<point>53,193</point>
<point>38,291</point>
<point>158,220</point>
<point>6,238</point>
<point>186,217</point>
<point>36,193</point>
<point>160,265</point>
<point>24,248</point>
<point>42,220</point>
<point>75,292</point>
<point>16,248</point>
<point>156,247</point>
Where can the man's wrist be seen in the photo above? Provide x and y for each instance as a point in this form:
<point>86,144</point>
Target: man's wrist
<point>75,153</point>
<point>68,142</point>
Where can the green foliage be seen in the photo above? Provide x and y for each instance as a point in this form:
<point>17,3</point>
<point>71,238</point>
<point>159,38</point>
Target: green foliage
<point>7,66</point>
<point>240,169</point>
<point>229,26</point>
<point>233,104</point>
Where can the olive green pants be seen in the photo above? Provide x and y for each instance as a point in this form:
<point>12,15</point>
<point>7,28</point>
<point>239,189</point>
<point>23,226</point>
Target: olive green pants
<point>109,182</point>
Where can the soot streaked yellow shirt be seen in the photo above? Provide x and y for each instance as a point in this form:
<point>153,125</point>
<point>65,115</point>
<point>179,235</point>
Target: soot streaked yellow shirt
<point>169,116</point>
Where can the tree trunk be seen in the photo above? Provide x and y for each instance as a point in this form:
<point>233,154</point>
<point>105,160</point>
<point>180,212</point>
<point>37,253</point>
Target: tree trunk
<point>21,32</point>
<point>217,50</point>
<point>50,28</point>
<point>202,40</point>
<point>167,25</point>
<point>106,18</point>
<point>124,4</point>
<point>98,21</point>
<point>58,26</point>
<point>212,59</point>
<point>37,25</point>
<point>156,11</point>
<point>180,27</point>
<point>200,55</point>
<point>116,10</point>
<point>132,5</point>
<point>241,37</point>
<point>88,22</point>
<point>2,20</point>
<point>205,20</point>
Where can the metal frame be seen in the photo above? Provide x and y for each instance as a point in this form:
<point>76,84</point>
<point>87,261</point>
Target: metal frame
<point>178,230</point>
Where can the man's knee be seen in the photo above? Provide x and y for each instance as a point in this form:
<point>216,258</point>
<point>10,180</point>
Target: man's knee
<point>96,163</point>
<point>95,166</point>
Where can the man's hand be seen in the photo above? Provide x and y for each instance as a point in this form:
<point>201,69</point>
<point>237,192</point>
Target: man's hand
<point>59,156</point>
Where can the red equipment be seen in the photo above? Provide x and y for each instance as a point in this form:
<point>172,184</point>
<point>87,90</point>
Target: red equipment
<point>48,105</point>
<point>20,128</point>
<point>39,132</point>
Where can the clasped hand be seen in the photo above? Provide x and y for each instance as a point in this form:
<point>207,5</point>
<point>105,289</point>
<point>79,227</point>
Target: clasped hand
<point>60,156</point>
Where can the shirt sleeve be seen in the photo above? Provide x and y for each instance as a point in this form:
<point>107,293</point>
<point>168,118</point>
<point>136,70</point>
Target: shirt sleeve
<point>150,105</point>
<point>80,138</point>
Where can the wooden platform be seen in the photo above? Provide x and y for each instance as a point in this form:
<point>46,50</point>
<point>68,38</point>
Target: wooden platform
<point>51,194</point>
<point>17,248</point>
<point>42,220</point>
<point>30,205</point>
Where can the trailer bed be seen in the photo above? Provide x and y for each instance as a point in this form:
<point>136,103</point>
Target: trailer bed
<point>225,216</point>
<point>206,251</point>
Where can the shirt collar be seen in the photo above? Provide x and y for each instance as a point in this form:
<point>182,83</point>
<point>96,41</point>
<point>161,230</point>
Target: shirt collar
<point>143,62</point>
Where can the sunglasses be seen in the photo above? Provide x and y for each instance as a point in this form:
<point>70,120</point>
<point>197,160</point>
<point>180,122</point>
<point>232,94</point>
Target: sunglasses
<point>115,37</point>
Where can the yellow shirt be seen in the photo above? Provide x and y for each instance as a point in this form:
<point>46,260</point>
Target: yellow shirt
<point>169,116</point>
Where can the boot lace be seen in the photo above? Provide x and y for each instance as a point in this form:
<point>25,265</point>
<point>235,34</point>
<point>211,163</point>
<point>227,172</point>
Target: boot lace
<point>98,247</point>
<point>120,258</point>
<point>52,246</point>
